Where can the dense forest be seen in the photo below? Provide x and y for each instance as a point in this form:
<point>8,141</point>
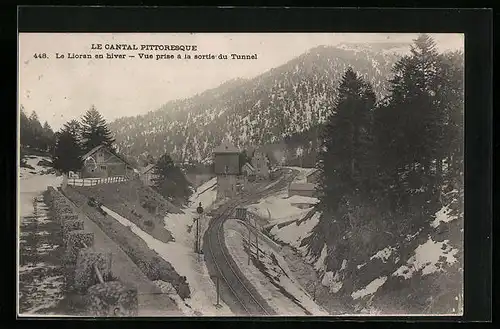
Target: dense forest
<point>390,164</point>
<point>35,137</point>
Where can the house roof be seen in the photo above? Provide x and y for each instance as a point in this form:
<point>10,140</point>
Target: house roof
<point>92,151</point>
<point>303,186</point>
<point>226,147</point>
<point>315,171</point>
<point>97,148</point>
<point>147,168</point>
<point>247,164</point>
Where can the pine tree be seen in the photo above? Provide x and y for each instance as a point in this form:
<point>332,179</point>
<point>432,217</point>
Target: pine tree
<point>170,181</point>
<point>95,131</point>
<point>36,132</point>
<point>414,128</point>
<point>343,155</point>
<point>25,133</point>
<point>67,152</point>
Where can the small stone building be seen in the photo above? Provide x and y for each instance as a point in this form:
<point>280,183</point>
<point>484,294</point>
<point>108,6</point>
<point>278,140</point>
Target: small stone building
<point>101,162</point>
<point>227,169</point>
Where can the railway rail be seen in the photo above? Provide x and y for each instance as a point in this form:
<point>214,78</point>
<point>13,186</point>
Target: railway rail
<point>237,287</point>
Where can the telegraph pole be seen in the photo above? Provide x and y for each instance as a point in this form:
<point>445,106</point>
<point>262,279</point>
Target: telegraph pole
<point>249,243</point>
<point>256,237</point>
<point>199,210</point>
<point>218,305</point>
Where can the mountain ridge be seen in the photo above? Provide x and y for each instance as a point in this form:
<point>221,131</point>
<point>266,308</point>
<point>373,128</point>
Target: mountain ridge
<point>288,99</point>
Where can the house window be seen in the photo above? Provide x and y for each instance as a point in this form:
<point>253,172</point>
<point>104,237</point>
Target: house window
<point>103,167</point>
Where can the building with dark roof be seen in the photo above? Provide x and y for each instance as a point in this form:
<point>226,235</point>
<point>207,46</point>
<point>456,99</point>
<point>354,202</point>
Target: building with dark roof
<point>102,162</point>
<point>227,169</point>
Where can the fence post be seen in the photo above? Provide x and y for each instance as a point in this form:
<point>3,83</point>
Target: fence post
<point>74,181</point>
<point>83,182</point>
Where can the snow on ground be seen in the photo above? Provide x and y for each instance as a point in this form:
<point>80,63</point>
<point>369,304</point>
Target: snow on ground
<point>383,254</point>
<point>168,289</point>
<point>40,283</point>
<point>293,234</point>
<point>370,289</point>
<point>281,208</point>
<point>32,182</point>
<point>303,173</point>
<point>443,215</point>
<point>333,281</point>
<point>429,257</point>
<point>279,288</point>
<point>182,256</point>
<point>319,264</point>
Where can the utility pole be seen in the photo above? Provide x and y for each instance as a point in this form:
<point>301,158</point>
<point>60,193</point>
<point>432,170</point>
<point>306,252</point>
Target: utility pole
<point>216,277</point>
<point>249,243</point>
<point>256,237</point>
<point>218,292</point>
<point>199,210</point>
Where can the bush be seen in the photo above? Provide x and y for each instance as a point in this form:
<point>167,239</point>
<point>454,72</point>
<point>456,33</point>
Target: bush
<point>150,206</point>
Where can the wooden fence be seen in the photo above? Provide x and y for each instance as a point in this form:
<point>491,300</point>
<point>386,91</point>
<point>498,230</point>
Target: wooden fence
<point>96,181</point>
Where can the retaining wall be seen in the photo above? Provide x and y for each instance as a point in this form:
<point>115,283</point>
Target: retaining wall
<point>88,270</point>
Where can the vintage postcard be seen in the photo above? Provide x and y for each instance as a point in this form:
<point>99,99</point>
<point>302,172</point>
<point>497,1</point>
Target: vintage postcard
<point>240,174</point>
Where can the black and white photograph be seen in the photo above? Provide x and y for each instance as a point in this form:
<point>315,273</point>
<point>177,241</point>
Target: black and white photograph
<point>240,174</point>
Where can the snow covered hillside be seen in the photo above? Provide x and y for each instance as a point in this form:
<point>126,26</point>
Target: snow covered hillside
<point>280,208</point>
<point>431,259</point>
<point>288,99</point>
<point>180,253</point>
<point>269,274</point>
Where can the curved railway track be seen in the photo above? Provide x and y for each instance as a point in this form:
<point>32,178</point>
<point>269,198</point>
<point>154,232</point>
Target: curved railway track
<point>236,290</point>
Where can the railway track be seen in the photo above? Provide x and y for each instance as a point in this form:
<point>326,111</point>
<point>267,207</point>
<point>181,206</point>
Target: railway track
<point>236,287</point>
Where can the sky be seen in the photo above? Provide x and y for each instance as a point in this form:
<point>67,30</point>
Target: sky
<point>63,89</point>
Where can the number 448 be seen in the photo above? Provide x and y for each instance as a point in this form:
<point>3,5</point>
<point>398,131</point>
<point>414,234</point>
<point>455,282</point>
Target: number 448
<point>42,55</point>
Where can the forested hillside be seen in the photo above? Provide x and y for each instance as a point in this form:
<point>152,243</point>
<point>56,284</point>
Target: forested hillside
<point>289,99</point>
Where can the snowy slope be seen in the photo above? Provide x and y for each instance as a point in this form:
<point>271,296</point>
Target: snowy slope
<point>288,99</point>
<point>428,256</point>
<point>281,208</point>
<point>181,255</point>
<point>269,274</point>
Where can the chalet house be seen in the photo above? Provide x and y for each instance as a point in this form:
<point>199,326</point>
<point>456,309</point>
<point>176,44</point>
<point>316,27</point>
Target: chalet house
<point>100,162</point>
<point>147,175</point>
<point>302,189</point>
